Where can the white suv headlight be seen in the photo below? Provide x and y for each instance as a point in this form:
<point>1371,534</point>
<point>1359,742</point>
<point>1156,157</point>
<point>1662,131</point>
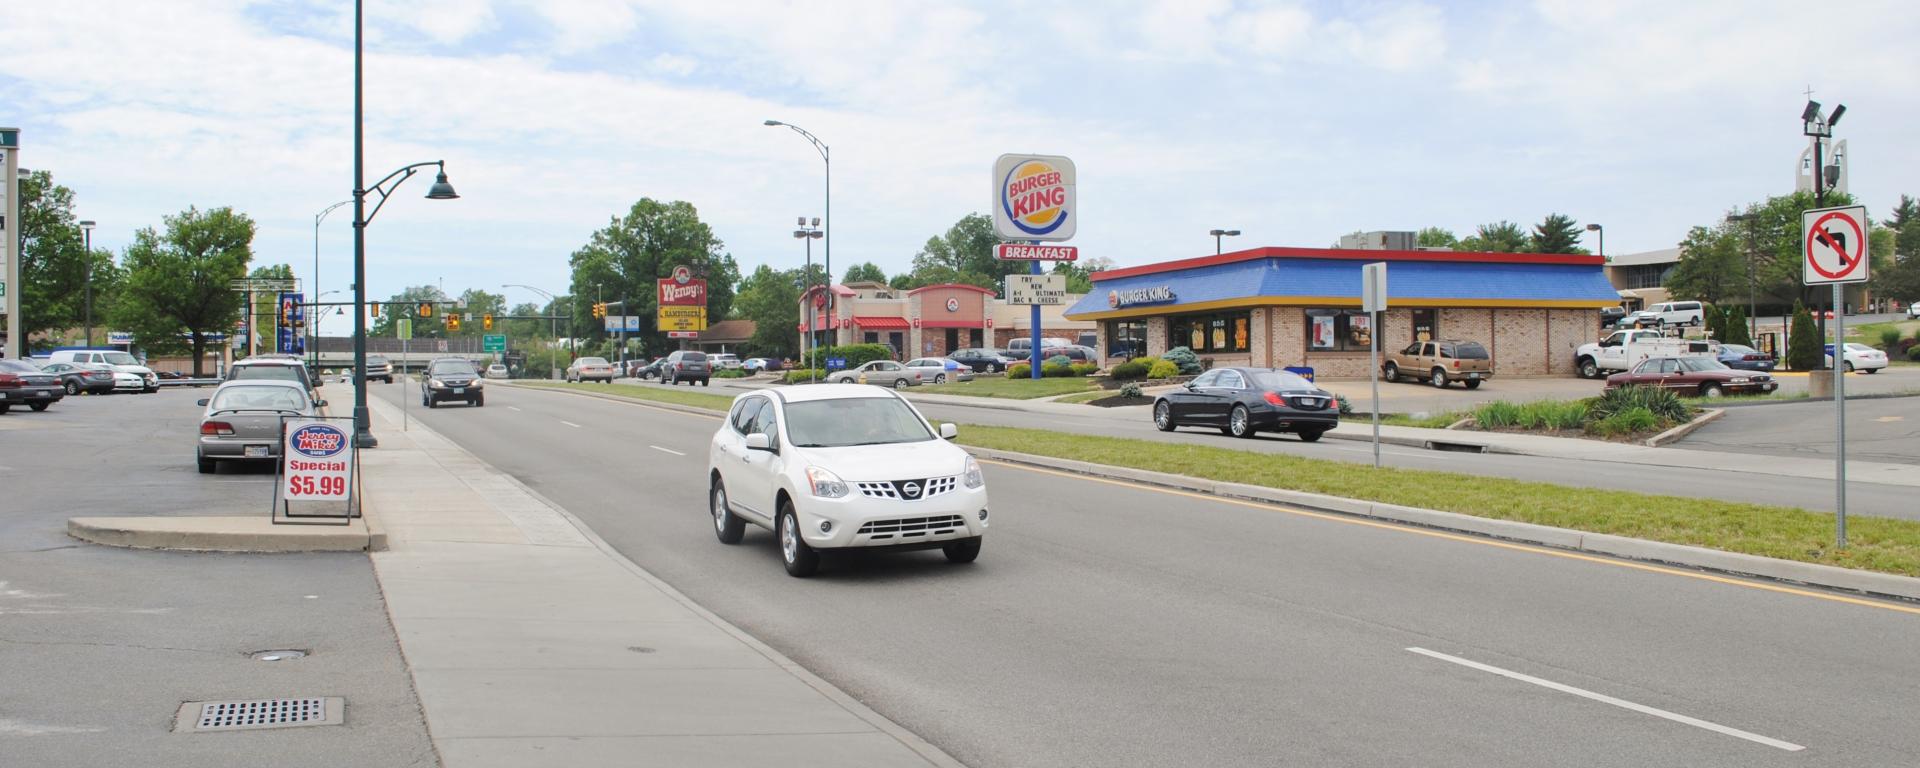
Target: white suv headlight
<point>825,484</point>
<point>971,474</point>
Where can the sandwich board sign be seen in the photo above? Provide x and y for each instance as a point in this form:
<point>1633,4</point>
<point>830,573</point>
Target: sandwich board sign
<point>1835,245</point>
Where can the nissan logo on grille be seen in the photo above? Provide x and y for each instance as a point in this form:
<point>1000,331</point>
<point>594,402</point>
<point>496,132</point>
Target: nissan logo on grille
<point>909,490</point>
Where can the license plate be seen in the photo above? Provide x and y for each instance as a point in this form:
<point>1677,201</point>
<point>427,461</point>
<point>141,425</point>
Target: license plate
<point>1473,375</point>
<point>459,390</point>
<point>256,451</point>
<point>45,393</point>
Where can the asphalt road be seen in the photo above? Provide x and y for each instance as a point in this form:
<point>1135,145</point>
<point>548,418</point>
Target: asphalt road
<point>1111,624</point>
<point>99,645</point>
<point>1886,430</point>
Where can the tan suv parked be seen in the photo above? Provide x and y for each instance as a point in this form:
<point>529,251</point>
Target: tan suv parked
<point>1440,363</point>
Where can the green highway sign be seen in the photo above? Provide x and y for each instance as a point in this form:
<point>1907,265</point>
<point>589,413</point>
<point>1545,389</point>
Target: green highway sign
<point>3,287</point>
<point>493,342</point>
<point>403,328</point>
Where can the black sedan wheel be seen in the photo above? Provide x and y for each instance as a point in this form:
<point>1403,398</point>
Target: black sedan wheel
<point>1163,416</point>
<point>1311,435</point>
<point>1239,424</point>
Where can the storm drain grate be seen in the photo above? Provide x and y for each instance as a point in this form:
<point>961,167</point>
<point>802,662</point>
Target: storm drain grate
<point>262,713</point>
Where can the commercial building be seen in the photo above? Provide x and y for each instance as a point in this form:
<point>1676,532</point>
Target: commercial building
<point>1641,278</point>
<point>1283,307</point>
<point>932,320</point>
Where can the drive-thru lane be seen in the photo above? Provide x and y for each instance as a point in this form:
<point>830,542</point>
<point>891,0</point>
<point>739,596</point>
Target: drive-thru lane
<point>1110,624</point>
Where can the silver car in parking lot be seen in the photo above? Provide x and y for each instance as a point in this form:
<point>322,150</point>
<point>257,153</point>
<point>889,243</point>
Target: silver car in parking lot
<point>242,420</point>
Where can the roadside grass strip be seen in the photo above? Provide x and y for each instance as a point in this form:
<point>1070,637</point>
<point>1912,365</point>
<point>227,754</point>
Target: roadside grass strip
<point>1012,389</point>
<point>1088,397</point>
<point>1431,421</point>
<point>656,394</point>
<point>1875,544</point>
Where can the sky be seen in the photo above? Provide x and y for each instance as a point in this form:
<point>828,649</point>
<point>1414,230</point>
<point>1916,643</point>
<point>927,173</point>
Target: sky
<point>1294,122</point>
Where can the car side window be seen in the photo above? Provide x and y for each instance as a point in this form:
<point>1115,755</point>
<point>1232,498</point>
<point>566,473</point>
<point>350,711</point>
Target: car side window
<point>1446,350</point>
<point>742,416</point>
<point>1231,380</point>
<point>1412,349</point>
<point>1208,379</point>
<point>1426,350</point>
<point>1669,366</point>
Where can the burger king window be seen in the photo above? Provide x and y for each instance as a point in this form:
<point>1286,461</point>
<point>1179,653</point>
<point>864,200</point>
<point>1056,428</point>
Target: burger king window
<point>1426,324</point>
<point>1127,338</point>
<point>1338,330</point>
<point>1217,332</point>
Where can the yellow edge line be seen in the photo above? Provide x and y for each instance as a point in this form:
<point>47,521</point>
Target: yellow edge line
<point>1470,539</point>
<point>1400,527</point>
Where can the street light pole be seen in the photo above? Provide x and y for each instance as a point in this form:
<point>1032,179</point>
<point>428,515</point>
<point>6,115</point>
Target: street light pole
<point>1603,238</point>
<point>1747,219</point>
<point>441,190</point>
<point>809,234</point>
<point>1220,233</point>
<point>553,360</point>
<point>86,229</point>
<point>826,156</point>
<point>315,287</point>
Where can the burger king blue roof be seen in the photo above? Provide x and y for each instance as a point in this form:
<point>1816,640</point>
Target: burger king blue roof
<point>1330,277</point>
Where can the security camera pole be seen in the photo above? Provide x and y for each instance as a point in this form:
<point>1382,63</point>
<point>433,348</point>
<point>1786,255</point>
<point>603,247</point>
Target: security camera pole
<point>10,240</point>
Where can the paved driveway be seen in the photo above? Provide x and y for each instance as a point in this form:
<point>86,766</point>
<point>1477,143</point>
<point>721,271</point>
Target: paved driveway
<point>1886,430</point>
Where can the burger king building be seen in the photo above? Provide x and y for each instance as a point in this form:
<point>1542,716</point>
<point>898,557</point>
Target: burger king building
<point>1280,307</point>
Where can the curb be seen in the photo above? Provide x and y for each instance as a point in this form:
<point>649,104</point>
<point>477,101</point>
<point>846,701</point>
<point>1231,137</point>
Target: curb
<point>1707,416</point>
<point>238,534</point>
<point>619,398</point>
<point>1732,563</point>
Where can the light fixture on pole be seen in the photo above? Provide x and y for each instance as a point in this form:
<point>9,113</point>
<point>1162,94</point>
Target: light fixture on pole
<point>553,360</point>
<point>1603,238</point>
<point>1220,233</point>
<point>1753,328</point>
<point>809,233</point>
<point>441,190</point>
<point>826,156</point>
<point>86,230</point>
<point>317,218</point>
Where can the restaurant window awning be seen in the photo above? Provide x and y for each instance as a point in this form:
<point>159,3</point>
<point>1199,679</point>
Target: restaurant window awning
<point>882,323</point>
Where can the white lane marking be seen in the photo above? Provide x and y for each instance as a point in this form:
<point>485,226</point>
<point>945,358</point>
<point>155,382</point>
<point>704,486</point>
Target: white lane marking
<point>1623,704</point>
<point>512,408</point>
<point>666,450</point>
<point>569,423</point>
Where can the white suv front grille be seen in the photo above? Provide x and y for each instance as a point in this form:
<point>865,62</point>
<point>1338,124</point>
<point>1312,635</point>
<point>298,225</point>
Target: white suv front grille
<point>908,490</point>
<point>913,527</point>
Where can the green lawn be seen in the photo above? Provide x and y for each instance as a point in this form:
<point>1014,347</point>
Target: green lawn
<point>688,396</point>
<point>1090,396</point>
<point>1434,421</point>
<point>1876,544</point>
<point>1011,389</point>
<point>1870,333</point>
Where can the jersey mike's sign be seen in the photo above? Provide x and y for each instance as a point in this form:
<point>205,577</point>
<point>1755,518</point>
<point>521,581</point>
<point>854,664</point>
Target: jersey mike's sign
<point>682,289</point>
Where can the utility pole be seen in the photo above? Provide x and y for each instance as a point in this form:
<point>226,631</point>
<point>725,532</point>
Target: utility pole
<point>10,241</point>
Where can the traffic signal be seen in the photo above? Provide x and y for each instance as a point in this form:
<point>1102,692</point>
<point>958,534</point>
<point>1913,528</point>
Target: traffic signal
<point>373,308</point>
<point>453,322</point>
<point>426,309</point>
<point>599,309</point>
<point>486,322</point>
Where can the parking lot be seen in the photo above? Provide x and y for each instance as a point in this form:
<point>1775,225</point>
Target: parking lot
<point>1886,430</point>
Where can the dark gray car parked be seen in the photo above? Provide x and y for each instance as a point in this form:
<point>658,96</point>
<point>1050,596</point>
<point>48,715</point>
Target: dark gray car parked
<point>687,365</point>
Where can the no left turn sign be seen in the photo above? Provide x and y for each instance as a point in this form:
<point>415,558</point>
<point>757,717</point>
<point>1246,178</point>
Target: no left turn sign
<point>1835,249</point>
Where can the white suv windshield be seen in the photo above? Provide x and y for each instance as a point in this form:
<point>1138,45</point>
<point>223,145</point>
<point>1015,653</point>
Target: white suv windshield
<point>853,421</point>
<point>120,358</point>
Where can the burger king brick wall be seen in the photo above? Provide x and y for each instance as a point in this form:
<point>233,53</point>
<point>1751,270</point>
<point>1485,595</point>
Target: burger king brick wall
<point>1299,306</point>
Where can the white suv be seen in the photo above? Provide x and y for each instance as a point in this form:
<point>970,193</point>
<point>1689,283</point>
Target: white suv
<point>1672,313</point>
<point>839,468</point>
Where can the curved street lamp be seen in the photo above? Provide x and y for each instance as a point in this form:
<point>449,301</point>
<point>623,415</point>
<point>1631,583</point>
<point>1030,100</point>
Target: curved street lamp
<point>1220,233</point>
<point>441,190</point>
<point>553,358</point>
<point>826,156</point>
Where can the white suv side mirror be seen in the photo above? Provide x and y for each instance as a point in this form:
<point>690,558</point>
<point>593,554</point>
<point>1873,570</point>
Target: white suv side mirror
<point>949,430</point>
<point>759,441</point>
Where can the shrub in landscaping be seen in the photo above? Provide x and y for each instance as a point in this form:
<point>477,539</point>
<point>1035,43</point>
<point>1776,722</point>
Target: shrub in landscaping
<point>1626,422</point>
<point>1083,369</point>
<point>729,373</point>
<point>1913,353</point>
<point>1163,369</point>
<point>1662,403</point>
<point>856,354</point>
<point>1056,360</point>
<point>1888,338</point>
<point>1131,390</point>
<point>1185,358</point>
<point>802,375</point>
<point>1551,414</point>
<point>1805,351</point>
<point>1056,370</point>
<point>1346,406</point>
<point>1131,369</point>
<point>1737,328</point>
<point>1499,414</point>
<point>1020,371</point>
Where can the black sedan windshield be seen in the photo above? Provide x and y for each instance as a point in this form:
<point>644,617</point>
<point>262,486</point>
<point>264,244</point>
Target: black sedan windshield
<point>1281,380</point>
<point>452,368</point>
<point>853,421</point>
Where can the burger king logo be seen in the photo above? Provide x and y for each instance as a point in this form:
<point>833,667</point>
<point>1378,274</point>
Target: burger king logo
<point>1035,197</point>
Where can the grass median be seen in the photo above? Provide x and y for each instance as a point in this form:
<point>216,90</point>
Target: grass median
<point>1010,389</point>
<point>674,395</point>
<point>1875,544</point>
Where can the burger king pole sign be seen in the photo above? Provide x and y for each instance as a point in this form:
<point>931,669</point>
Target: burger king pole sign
<point>1034,201</point>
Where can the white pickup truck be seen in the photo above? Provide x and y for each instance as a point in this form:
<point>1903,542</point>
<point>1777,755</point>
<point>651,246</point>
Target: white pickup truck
<point>1621,350</point>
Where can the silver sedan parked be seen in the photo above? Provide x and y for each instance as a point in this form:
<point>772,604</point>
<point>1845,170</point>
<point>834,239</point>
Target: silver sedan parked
<point>940,370</point>
<point>880,373</point>
<point>242,420</point>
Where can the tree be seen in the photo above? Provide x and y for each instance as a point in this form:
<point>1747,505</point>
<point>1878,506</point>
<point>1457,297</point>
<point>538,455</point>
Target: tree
<point>964,254</point>
<point>624,261</point>
<point>1711,265</point>
<point>1557,234</point>
<point>1499,237</point>
<point>1079,274</point>
<point>479,303</point>
<point>407,303</point>
<point>1436,237</point>
<point>1898,277</point>
<point>865,272</point>
<point>1805,348</point>
<point>177,281</point>
<point>1736,330</point>
<point>54,261</point>
<point>771,299</point>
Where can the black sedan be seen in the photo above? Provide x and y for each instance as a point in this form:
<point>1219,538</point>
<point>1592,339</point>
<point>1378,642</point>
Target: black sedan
<point>982,360</point>
<point>23,383</point>
<point>1745,358</point>
<point>75,378</point>
<point>1243,401</point>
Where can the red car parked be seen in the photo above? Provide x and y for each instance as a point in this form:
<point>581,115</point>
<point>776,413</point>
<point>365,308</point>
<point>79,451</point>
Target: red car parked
<point>1702,376</point>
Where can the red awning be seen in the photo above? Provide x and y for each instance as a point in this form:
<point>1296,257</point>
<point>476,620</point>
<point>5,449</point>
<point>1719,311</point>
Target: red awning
<point>882,323</point>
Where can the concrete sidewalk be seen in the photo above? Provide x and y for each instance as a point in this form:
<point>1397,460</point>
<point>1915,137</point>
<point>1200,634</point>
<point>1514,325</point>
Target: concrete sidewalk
<point>533,643</point>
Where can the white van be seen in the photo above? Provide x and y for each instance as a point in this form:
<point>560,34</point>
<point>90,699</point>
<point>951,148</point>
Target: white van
<point>121,362</point>
<point>1672,313</point>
